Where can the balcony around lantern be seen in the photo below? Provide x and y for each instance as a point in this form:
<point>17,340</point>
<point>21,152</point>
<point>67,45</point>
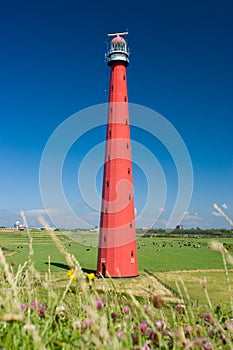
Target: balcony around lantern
<point>118,52</point>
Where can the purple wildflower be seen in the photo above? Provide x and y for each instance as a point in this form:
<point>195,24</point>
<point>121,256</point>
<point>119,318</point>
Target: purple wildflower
<point>176,334</point>
<point>208,346</point>
<point>34,304</point>
<point>160,325</point>
<point>126,310</point>
<point>143,327</point>
<point>99,304</point>
<point>23,307</point>
<point>41,311</point>
<point>197,342</point>
<point>87,322</point>
<point>120,335</point>
<point>208,317</point>
<point>189,330</point>
<point>185,342</point>
<point>150,333</point>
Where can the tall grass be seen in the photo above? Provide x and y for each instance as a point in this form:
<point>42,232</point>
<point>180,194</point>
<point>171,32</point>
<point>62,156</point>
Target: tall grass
<point>39,312</point>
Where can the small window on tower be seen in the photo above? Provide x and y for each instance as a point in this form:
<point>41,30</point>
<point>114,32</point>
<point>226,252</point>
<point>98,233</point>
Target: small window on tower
<point>107,183</point>
<point>108,156</point>
<point>106,210</point>
<point>112,87</point>
<point>130,225</point>
<point>124,77</point>
<point>128,170</point>
<point>131,252</point>
<point>130,196</point>
<point>110,133</point>
<point>125,99</point>
<point>104,238</point>
<point>126,121</point>
<point>111,109</point>
<point>127,145</point>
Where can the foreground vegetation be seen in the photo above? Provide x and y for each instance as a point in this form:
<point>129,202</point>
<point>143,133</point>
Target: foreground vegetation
<point>51,303</point>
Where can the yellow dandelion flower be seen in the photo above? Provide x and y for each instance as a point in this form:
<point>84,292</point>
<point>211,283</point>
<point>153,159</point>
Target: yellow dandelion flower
<point>90,276</point>
<point>72,275</point>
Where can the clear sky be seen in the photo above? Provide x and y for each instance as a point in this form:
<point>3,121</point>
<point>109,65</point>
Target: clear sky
<point>181,65</point>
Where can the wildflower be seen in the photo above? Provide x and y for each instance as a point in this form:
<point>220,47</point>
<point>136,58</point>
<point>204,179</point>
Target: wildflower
<point>197,342</point>
<point>185,342</point>
<point>176,334</point>
<point>208,317</point>
<point>199,329</point>
<point>126,310</point>
<point>208,346</point>
<point>23,307</point>
<point>146,347</point>
<point>90,276</point>
<point>120,335</point>
<point>72,275</point>
<point>143,327</point>
<point>160,325</point>
<point>99,304</point>
<point>41,311</point>
<point>87,322</point>
<point>150,333</point>
<point>34,304</point>
<point>189,330</point>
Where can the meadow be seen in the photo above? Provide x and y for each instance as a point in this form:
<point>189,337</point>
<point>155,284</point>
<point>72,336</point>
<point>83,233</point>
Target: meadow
<point>50,298</point>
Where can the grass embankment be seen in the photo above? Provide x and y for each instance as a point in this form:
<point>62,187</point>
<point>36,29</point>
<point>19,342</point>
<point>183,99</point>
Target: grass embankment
<point>42,308</point>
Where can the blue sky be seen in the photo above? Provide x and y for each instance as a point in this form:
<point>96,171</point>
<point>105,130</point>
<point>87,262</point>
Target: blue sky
<point>181,65</point>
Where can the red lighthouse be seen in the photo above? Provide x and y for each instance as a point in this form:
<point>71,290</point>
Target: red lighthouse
<point>117,255</point>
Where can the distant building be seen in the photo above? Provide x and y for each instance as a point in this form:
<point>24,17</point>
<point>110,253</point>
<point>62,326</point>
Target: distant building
<point>19,226</point>
<point>179,227</point>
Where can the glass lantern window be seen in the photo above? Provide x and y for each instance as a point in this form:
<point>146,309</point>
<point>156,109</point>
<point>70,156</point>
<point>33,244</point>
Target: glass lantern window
<point>118,46</point>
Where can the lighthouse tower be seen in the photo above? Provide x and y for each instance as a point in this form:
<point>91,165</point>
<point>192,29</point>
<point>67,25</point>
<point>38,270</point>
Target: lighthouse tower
<point>117,255</point>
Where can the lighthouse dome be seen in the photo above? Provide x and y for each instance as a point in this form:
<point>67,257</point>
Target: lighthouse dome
<point>118,39</point>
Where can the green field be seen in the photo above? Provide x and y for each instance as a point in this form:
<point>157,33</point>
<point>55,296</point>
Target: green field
<point>182,298</point>
<point>168,258</point>
<point>154,254</point>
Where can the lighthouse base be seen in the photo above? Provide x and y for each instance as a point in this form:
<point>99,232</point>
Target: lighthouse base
<point>118,262</point>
